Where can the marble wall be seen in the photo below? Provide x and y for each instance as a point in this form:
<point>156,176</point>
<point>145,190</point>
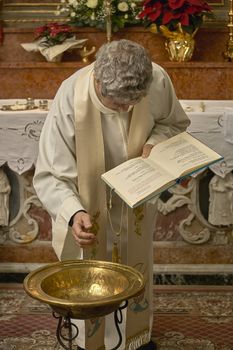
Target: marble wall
<point>177,240</point>
<point>207,76</point>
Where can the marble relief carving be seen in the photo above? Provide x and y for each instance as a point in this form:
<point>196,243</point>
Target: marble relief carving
<point>5,190</point>
<point>191,225</point>
<point>190,231</point>
<point>22,227</point>
<point>195,227</point>
<point>221,200</point>
<point>183,217</point>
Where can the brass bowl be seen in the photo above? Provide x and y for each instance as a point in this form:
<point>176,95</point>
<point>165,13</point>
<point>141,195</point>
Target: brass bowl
<point>84,289</point>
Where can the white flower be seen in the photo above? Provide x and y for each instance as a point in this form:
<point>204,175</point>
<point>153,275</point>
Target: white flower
<point>123,6</point>
<point>73,14</point>
<point>92,3</point>
<point>126,16</point>
<point>133,5</point>
<point>93,16</point>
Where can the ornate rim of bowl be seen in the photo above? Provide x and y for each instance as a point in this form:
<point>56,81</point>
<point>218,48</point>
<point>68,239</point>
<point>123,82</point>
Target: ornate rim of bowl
<point>32,283</point>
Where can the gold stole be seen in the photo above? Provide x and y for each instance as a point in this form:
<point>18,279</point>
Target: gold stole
<point>92,190</point>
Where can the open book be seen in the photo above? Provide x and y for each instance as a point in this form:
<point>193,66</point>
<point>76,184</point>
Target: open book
<point>140,179</point>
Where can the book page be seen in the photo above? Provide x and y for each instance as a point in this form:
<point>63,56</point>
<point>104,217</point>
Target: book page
<point>182,154</point>
<point>139,179</point>
<point>136,178</point>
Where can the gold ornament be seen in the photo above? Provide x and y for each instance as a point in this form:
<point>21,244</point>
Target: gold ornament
<point>115,253</point>
<point>95,229</point>
<point>153,28</point>
<point>179,44</point>
<point>138,213</point>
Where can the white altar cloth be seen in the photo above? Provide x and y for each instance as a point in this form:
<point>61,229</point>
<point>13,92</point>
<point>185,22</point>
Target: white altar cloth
<point>19,136</point>
<point>210,122</point>
<point>20,132</point>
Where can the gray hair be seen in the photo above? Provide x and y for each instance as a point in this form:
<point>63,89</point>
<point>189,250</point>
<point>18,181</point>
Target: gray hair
<point>124,70</point>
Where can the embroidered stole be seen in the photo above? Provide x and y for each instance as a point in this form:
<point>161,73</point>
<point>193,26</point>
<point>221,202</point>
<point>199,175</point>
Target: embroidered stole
<point>92,191</point>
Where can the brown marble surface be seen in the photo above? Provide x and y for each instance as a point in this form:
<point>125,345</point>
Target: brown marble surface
<point>202,80</point>
<point>207,76</point>
<point>181,253</point>
<point>27,253</point>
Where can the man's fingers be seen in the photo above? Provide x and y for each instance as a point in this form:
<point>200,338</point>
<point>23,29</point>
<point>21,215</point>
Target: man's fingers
<point>83,220</point>
<point>84,239</point>
<point>86,221</point>
<point>146,150</point>
<point>84,243</point>
<point>81,230</point>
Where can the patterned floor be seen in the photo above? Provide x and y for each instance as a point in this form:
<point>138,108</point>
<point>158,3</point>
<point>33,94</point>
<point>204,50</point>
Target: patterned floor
<point>193,318</point>
<point>185,318</point>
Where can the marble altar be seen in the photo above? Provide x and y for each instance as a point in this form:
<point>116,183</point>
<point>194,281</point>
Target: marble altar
<point>188,213</point>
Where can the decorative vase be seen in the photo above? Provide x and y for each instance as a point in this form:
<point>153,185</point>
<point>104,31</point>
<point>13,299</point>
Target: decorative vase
<point>180,49</point>
<point>179,45</point>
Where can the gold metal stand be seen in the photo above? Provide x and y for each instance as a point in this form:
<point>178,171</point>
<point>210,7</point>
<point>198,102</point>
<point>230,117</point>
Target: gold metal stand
<point>67,331</point>
<point>228,54</point>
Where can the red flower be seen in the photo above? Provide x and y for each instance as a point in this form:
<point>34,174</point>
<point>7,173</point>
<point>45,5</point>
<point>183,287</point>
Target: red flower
<point>169,16</point>
<point>54,33</point>
<point>40,30</point>
<point>176,4</point>
<point>188,13</point>
<point>184,19</point>
<point>153,12</point>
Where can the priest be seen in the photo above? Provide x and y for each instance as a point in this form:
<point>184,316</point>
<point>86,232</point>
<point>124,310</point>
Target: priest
<point>114,109</point>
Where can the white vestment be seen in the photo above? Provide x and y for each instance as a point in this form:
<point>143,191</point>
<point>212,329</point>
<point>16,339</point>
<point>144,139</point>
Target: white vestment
<point>55,179</point>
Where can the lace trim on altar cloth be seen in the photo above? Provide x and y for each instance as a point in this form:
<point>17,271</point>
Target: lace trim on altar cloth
<point>19,135</point>
<point>19,165</point>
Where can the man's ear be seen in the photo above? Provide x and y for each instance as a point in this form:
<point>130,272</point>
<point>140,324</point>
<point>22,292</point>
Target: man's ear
<point>97,86</point>
<point>97,82</point>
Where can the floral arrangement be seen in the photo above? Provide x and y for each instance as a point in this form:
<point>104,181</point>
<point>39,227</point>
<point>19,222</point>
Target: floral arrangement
<point>93,13</point>
<point>53,33</point>
<point>172,15</point>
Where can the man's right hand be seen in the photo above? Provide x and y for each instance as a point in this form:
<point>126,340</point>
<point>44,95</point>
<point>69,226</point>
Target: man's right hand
<point>81,230</point>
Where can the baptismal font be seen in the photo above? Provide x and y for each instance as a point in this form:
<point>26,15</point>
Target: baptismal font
<point>84,289</point>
